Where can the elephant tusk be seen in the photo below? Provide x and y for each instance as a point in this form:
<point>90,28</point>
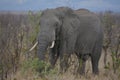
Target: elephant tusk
<point>33,46</point>
<point>53,43</point>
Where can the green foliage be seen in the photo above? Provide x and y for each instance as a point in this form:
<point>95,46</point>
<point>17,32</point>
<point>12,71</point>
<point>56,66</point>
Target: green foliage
<point>34,20</point>
<point>116,61</point>
<point>37,66</point>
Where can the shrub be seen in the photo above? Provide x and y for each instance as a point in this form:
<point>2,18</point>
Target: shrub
<point>38,66</point>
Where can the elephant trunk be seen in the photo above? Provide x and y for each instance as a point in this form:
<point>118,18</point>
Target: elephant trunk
<point>42,47</point>
<point>45,40</point>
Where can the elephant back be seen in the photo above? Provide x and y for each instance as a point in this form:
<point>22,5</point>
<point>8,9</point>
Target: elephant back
<point>84,12</point>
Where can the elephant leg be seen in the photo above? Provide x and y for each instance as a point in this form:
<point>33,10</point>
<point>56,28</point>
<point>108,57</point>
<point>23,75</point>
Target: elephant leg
<point>82,63</point>
<point>53,57</point>
<point>81,68</point>
<point>64,57</point>
<point>95,64</point>
<point>95,57</point>
<point>64,62</point>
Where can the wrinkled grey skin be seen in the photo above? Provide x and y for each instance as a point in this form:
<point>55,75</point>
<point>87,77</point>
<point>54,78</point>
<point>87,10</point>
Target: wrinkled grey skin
<point>74,31</point>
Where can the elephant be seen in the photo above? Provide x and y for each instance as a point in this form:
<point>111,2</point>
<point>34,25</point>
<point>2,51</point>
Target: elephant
<point>65,31</point>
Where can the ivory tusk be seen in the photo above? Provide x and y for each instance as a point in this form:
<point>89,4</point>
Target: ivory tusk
<point>34,46</point>
<point>53,43</point>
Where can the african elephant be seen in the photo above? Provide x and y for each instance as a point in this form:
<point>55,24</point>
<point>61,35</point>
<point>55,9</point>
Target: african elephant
<point>70,31</point>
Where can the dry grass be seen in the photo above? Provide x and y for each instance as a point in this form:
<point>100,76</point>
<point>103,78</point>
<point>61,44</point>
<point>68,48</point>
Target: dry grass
<point>105,74</point>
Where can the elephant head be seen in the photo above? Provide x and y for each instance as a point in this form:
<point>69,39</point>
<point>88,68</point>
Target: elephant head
<point>51,23</point>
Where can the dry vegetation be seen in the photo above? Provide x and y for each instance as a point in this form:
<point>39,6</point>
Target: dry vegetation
<point>18,33</point>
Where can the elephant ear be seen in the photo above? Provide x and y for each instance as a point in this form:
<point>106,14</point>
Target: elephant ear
<point>67,18</point>
<point>69,21</point>
<point>64,11</point>
<point>68,14</point>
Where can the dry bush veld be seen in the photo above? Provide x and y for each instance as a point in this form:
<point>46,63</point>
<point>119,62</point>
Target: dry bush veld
<point>111,23</point>
<point>15,37</point>
<point>18,32</point>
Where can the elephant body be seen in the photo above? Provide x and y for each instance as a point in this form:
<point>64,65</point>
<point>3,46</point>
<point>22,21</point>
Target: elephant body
<point>74,31</point>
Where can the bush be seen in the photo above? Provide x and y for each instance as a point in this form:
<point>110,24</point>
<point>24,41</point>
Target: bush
<point>116,62</point>
<point>38,66</point>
